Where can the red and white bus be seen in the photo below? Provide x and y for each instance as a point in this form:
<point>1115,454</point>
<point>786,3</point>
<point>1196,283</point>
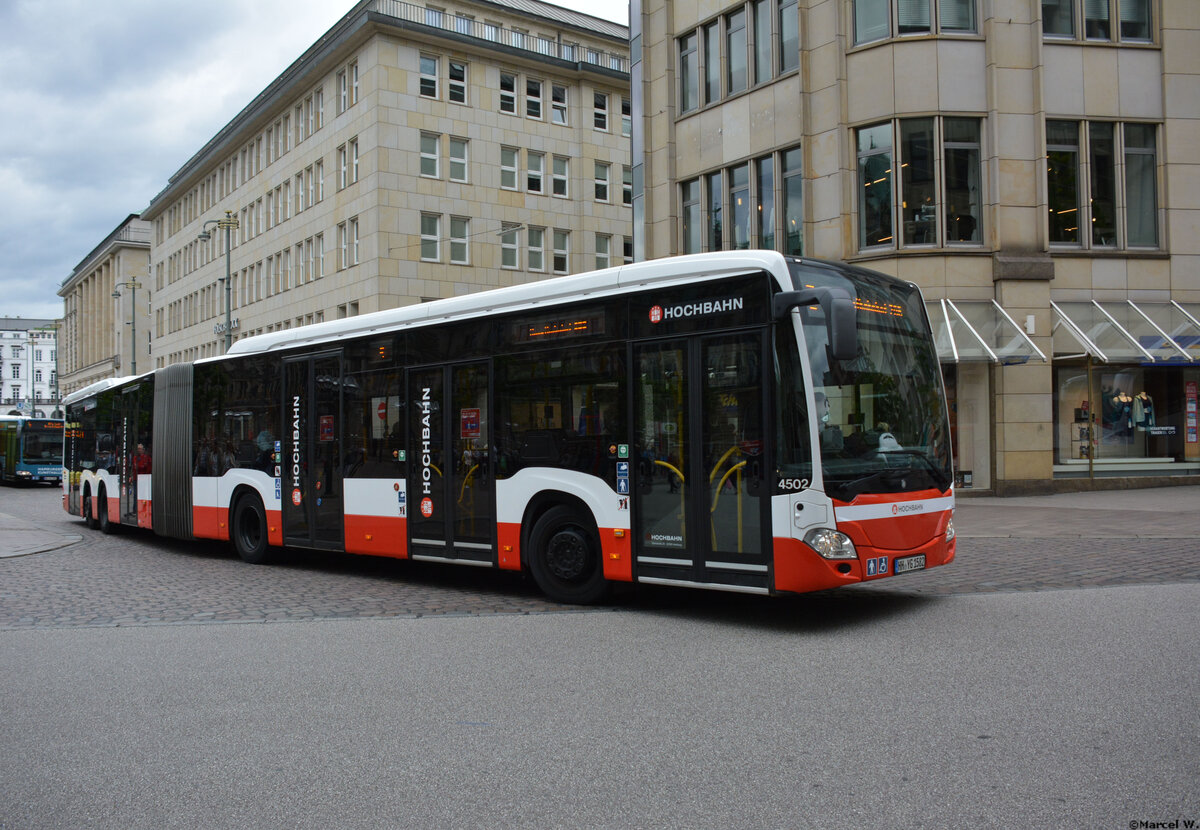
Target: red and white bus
<point>737,421</point>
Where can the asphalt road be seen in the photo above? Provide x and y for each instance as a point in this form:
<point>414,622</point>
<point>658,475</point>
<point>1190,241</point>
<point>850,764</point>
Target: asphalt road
<point>455,700</point>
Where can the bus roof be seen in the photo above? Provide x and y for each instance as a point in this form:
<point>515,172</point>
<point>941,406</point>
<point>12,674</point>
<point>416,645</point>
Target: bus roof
<point>518,297</point>
<point>98,386</point>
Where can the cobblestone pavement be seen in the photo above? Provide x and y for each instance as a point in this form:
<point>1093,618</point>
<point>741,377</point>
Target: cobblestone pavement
<point>135,578</point>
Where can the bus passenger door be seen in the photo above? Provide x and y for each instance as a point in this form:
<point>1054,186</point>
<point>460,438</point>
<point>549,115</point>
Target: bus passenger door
<point>701,496</point>
<point>312,458</point>
<point>451,491</point>
<point>129,420</point>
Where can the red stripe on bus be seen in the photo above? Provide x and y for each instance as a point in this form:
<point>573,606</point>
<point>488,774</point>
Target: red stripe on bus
<point>799,568</point>
<point>210,523</point>
<point>508,535</point>
<point>617,551</point>
<point>145,514</point>
<point>275,528</point>
<point>377,535</point>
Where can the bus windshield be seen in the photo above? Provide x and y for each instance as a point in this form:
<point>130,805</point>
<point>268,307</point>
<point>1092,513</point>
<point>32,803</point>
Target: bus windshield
<point>43,446</point>
<point>882,420</point>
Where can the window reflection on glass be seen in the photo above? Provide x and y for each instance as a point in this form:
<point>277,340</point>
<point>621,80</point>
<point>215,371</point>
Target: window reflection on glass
<point>739,203</point>
<point>919,203</point>
<point>735,52</point>
<point>962,179</point>
<point>793,205</point>
<point>1141,192</point>
<point>766,203</point>
<point>1062,180</point>
<point>1104,185</point>
<point>875,185</point>
<point>715,196</point>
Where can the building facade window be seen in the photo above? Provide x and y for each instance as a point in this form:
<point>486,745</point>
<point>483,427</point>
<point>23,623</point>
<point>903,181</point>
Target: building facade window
<point>508,93</point>
<point>458,159</point>
<point>938,199</point>
<point>792,168</point>
<point>561,177</point>
<point>765,207</point>
<point>533,98</point>
<point>456,87</point>
<point>558,104</point>
<point>690,217</point>
<point>510,256</point>
<point>535,167</point>
<point>736,69</point>
<point>1112,201</point>
<point>429,76</point>
<point>881,19</point>
<point>603,172</point>
<point>716,200</point>
<point>757,204</point>
<point>460,231</point>
<point>537,249</point>
<point>430,152</point>
<point>1094,20</point>
<point>562,251</point>
<point>603,251</point>
<point>431,228</point>
<point>689,78</point>
<point>600,111</point>
<point>509,161</point>
<point>626,184</point>
<point>789,35</point>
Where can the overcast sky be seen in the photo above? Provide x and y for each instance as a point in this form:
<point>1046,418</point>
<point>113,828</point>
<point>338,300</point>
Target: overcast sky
<point>104,100</point>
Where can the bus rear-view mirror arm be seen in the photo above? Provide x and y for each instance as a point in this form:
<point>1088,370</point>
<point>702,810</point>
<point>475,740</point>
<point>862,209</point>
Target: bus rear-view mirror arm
<point>839,316</point>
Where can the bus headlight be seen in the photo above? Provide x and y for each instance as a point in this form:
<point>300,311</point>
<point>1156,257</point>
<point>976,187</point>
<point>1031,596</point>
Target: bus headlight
<point>831,544</point>
<point>950,531</point>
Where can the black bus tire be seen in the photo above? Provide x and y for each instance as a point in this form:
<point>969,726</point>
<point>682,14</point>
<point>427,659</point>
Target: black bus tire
<point>103,520</point>
<point>88,519</point>
<point>249,530</point>
<point>564,558</point>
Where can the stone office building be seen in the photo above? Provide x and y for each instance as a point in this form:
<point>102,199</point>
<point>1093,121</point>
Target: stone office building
<point>1033,165</point>
<point>414,152</point>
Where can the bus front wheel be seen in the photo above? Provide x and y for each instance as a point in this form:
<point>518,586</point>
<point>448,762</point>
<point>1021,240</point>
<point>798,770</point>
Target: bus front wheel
<point>564,558</point>
<point>250,530</point>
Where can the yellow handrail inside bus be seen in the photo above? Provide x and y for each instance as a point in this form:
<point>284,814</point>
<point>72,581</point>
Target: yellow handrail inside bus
<point>466,482</point>
<point>470,508</point>
<point>736,468</point>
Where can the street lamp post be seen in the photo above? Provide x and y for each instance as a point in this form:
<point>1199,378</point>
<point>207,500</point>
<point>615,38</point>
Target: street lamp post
<point>229,223</point>
<point>133,286</point>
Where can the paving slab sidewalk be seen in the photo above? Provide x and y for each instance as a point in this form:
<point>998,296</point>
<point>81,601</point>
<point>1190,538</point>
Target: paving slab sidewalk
<point>19,537</point>
<point>1151,513</point>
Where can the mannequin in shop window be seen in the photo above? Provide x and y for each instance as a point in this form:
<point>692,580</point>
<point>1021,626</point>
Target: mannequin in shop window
<point>1121,406</point>
<point>1143,411</point>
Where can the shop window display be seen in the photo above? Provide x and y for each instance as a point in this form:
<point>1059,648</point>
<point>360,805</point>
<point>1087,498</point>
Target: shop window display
<point>1133,414</point>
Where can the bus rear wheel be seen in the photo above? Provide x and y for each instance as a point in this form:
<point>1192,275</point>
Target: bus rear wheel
<point>88,518</point>
<point>103,521</point>
<point>249,530</point>
<point>564,558</point>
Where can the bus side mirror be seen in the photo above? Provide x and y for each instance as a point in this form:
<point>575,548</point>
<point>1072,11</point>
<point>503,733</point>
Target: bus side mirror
<point>839,311</point>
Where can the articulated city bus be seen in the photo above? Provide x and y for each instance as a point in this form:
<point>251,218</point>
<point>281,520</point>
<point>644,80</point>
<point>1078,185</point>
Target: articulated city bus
<point>734,421</point>
<point>31,449</point>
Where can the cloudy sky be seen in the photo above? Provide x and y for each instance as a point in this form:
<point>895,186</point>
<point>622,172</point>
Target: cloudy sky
<point>104,100</point>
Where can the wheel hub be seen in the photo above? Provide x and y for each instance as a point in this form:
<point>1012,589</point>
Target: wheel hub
<point>567,555</point>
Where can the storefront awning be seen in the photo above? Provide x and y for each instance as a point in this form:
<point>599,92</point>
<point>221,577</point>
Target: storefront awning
<point>1126,332</point>
<point>978,331</point>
